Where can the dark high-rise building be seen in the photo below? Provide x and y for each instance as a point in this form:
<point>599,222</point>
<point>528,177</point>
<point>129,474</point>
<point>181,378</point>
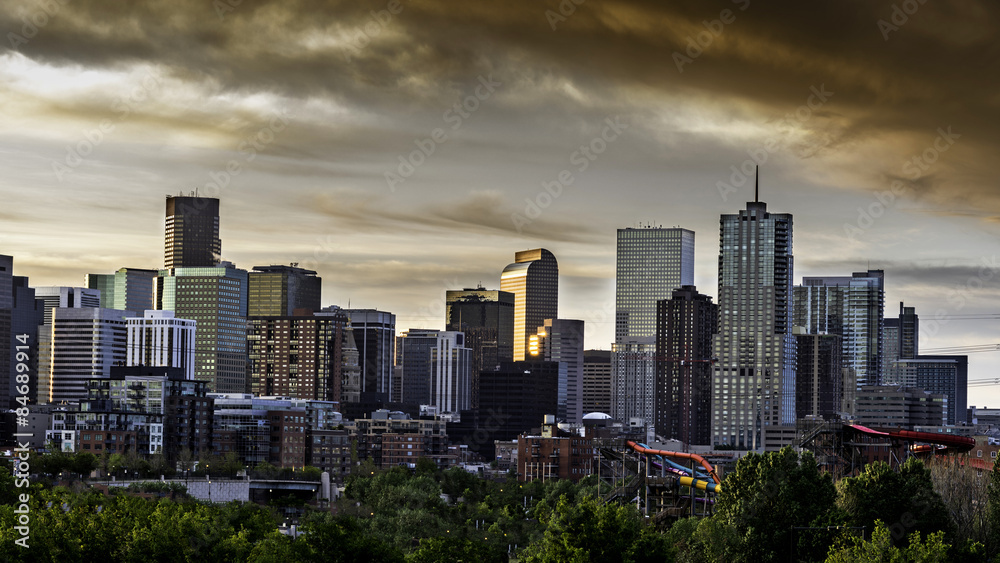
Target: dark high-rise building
<point>297,356</point>
<point>277,291</point>
<point>890,350</point>
<point>851,307</point>
<point>192,233</point>
<point>6,333</point>
<point>596,381</point>
<point>818,375</point>
<point>685,326</point>
<point>533,278</point>
<point>375,337</point>
<point>26,317</point>
<point>901,336</point>
<point>6,281</point>
<point>515,399</point>
<point>651,262</point>
<point>561,340</point>
<point>909,332</point>
<point>487,319</point>
<point>945,375</point>
<point>754,379</point>
<point>216,298</point>
<point>413,362</point>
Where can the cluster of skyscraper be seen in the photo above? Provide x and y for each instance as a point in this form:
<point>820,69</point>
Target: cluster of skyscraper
<point>768,353</point>
<point>265,332</point>
<point>720,374</point>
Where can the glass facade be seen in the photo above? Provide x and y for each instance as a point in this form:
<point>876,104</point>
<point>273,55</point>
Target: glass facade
<point>191,238</point>
<point>561,340</point>
<point>852,308</point>
<point>533,278</point>
<point>276,291</point>
<point>86,343</point>
<point>944,375</point>
<point>435,369</point>
<point>651,262</point>
<point>375,337</point>
<point>754,379</point>
<point>128,289</point>
<point>216,298</point>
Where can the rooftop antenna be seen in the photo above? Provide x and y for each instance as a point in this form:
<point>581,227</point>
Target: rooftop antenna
<point>756,185</point>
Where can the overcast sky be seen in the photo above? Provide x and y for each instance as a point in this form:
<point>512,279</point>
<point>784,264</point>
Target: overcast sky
<point>402,148</point>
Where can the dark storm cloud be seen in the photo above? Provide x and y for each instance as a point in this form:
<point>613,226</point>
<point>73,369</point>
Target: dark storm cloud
<point>896,79</point>
<point>982,272</point>
<point>478,212</point>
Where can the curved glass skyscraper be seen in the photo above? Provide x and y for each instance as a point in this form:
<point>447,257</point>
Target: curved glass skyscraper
<point>533,278</point>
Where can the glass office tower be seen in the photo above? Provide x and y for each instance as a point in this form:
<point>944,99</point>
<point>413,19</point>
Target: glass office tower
<point>192,232</point>
<point>754,380</point>
<point>533,278</point>
<point>651,263</point>
<point>217,299</point>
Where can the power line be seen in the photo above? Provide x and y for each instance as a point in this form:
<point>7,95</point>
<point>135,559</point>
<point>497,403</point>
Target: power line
<point>971,348</point>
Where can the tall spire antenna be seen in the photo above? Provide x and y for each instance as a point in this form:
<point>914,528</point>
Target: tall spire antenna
<point>756,185</point>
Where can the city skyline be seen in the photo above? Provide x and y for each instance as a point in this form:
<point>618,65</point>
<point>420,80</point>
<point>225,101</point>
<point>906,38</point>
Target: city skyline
<point>303,159</point>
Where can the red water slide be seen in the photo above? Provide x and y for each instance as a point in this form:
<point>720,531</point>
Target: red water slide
<point>958,443</point>
<point>680,455</point>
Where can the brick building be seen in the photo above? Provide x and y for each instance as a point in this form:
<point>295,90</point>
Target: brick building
<point>554,455</point>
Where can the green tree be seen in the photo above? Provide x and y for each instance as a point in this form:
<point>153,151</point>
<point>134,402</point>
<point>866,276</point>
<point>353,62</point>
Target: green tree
<point>593,531</point>
<point>8,490</point>
<point>426,466</point>
<point>993,511</point>
<point>704,540</point>
<point>769,494</point>
<point>343,540</point>
<point>312,473</point>
<point>84,463</point>
<point>265,470</point>
<point>904,500</point>
<point>229,464</point>
<point>453,550</point>
<point>456,481</point>
<point>880,549</point>
<point>54,462</point>
<point>115,463</point>
<point>136,463</point>
<point>185,460</point>
<point>276,548</point>
<point>158,465</point>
